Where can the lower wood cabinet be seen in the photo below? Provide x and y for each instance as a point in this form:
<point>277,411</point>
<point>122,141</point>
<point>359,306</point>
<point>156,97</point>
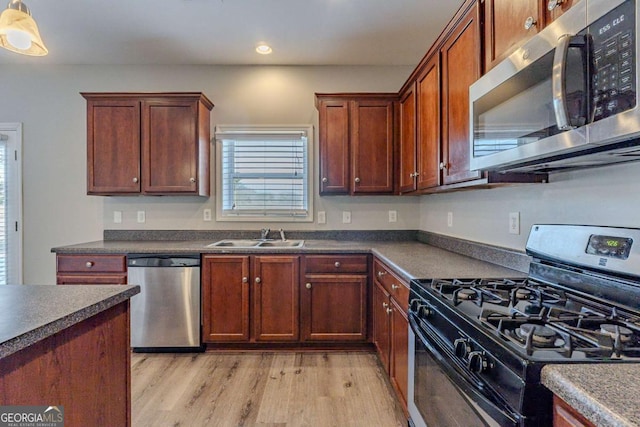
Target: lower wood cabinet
<point>87,269</point>
<point>565,416</point>
<point>250,298</point>
<point>391,326</point>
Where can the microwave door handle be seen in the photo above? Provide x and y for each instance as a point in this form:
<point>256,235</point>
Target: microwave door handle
<point>558,82</point>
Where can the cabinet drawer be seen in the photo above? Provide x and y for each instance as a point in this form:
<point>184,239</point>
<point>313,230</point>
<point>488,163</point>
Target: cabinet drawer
<point>92,263</point>
<point>397,288</point>
<point>92,279</point>
<point>336,264</point>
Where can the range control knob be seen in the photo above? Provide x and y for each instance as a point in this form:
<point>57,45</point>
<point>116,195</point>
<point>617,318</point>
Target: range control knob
<point>424,312</point>
<point>414,305</point>
<point>462,347</point>
<point>477,362</point>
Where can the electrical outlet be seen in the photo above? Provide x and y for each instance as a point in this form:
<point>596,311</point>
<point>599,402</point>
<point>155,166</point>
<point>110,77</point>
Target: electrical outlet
<point>346,217</point>
<point>117,217</point>
<point>514,222</point>
<point>322,217</point>
<point>393,216</point>
<point>141,217</point>
<point>206,215</point>
<point>449,219</point>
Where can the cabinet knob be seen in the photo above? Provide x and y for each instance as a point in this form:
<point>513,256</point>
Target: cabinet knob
<point>443,166</point>
<point>337,264</point>
<point>258,280</point>
<point>553,4</point>
<point>325,179</point>
<point>245,280</point>
<point>90,264</point>
<point>357,180</point>
<point>192,179</point>
<point>308,286</point>
<point>416,174</point>
<point>385,305</point>
<point>381,273</point>
<point>389,311</point>
<point>394,287</point>
<point>530,22</point>
<point>135,179</point>
<point>412,175</point>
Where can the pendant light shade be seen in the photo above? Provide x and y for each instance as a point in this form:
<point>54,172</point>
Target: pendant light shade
<point>19,32</point>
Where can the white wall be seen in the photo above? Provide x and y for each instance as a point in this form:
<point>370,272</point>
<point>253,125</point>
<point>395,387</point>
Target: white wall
<point>57,210</point>
<point>601,196</point>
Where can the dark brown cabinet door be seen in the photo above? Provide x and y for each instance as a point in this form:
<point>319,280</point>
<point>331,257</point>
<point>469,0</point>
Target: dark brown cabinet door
<point>113,146</point>
<point>566,416</point>
<point>460,67</point>
<point>276,298</point>
<point>428,127</point>
<point>334,146</point>
<point>372,145</point>
<point>169,146</point>
<point>381,324</point>
<point>504,26</point>
<point>407,163</point>
<point>225,298</point>
<point>334,308</point>
<point>400,346</point>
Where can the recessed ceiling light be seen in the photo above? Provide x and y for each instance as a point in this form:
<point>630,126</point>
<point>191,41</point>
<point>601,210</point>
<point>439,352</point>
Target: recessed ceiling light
<point>264,49</point>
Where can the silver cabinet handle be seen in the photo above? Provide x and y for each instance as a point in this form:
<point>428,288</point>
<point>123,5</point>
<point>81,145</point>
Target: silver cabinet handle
<point>258,280</point>
<point>245,280</point>
<point>192,179</point>
<point>337,264</point>
<point>90,264</point>
<point>394,287</point>
<point>135,179</point>
<point>325,179</point>
<point>357,180</point>
<point>416,174</point>
<point>412,175</point>
<point>443,166</point>
<point>389,311</point>
<point>553,4</point>
<point>385,305</point>
<point>529,23</point>
<point>381,273</point>
<point>308,286</point>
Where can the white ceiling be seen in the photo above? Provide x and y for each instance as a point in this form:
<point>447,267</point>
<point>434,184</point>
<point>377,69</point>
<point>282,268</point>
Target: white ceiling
<point>206,32</point>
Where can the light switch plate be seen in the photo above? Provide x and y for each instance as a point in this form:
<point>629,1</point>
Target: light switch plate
<point>449,219</point>
<point>514,222</point>
<point>117,217</point>
<point>322,217</point>
<point>141,217</point>
<point>346,217</point>
<point>393,216</point>
<point>206,215</point>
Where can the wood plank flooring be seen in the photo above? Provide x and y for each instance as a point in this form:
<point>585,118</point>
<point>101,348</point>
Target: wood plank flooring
<point>262,389</point>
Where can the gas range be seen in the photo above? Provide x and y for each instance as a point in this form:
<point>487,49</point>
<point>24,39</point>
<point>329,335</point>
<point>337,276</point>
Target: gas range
<point>580,303</point>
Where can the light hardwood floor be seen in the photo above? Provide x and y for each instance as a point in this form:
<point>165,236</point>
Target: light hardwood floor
<point>262,389</point>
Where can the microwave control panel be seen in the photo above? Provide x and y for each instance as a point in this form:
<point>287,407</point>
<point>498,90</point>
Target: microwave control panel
<point>614,83</point>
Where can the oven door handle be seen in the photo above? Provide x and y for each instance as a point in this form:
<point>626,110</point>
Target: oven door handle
<point>469,387</point>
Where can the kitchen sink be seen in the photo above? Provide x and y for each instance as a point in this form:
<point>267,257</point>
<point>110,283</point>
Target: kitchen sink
<point>256,244</point>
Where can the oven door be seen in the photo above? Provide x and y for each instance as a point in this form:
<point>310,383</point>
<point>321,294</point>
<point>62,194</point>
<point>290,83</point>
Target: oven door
<point>440,395</point>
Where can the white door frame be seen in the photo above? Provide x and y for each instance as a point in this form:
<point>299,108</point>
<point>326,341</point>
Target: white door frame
<point>16,212</point>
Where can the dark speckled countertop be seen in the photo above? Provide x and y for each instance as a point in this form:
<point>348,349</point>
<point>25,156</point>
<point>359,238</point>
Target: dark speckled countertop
<point>31,313</point>
<point>411,259</point>
<point>607,394</point>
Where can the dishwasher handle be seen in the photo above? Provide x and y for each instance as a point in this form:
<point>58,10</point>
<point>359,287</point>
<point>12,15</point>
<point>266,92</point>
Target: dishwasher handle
<point>153,260</point>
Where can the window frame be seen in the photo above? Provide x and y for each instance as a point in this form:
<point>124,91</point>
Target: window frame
<point>220,131</point>
<point>15,269</point>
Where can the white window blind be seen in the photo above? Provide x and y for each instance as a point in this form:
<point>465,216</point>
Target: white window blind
<point>264,172</point>
<point>10,204</point>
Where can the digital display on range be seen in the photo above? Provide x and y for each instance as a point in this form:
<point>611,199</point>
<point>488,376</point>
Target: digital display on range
<point>609,246</point>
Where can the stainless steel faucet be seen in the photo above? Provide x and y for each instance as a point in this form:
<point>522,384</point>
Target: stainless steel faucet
<point>264,233</point>
<point>282,235</point>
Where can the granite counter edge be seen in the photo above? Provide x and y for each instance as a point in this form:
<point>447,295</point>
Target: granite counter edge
<point>40,333</point>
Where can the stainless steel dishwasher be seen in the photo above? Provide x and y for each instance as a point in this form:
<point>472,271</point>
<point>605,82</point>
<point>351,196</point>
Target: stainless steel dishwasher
<point>165,316</point>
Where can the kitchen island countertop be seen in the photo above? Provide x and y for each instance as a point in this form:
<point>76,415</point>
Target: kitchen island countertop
<point>607,394</point>
<point>31,313</point>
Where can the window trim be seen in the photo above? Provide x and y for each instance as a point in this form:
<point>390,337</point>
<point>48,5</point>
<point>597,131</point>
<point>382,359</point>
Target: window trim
<point>17,215</point>
<point>220,131</point>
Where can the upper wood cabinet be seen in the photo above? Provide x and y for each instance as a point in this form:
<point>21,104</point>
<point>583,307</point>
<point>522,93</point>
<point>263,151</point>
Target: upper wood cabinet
<point>156,144</point>
<point>461,61</point>
<point>509,24</point>
<point>356,143</point>
<point>407,166</point>
<point>429,125</point>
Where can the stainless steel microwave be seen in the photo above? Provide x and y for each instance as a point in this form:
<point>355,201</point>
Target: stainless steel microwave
<point>567,98</point>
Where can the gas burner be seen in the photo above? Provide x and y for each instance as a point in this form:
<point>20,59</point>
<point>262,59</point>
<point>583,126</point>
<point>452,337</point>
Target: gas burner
<point>541,336</point>
<point>615,331</point>
<point>466,294</point>
<point>522,293</point>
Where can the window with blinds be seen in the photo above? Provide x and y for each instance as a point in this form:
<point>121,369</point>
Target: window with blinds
<point>10,203</point>
<point>264,173</point>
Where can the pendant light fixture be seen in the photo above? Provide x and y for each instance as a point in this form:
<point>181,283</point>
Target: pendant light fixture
<point>19,32</point>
